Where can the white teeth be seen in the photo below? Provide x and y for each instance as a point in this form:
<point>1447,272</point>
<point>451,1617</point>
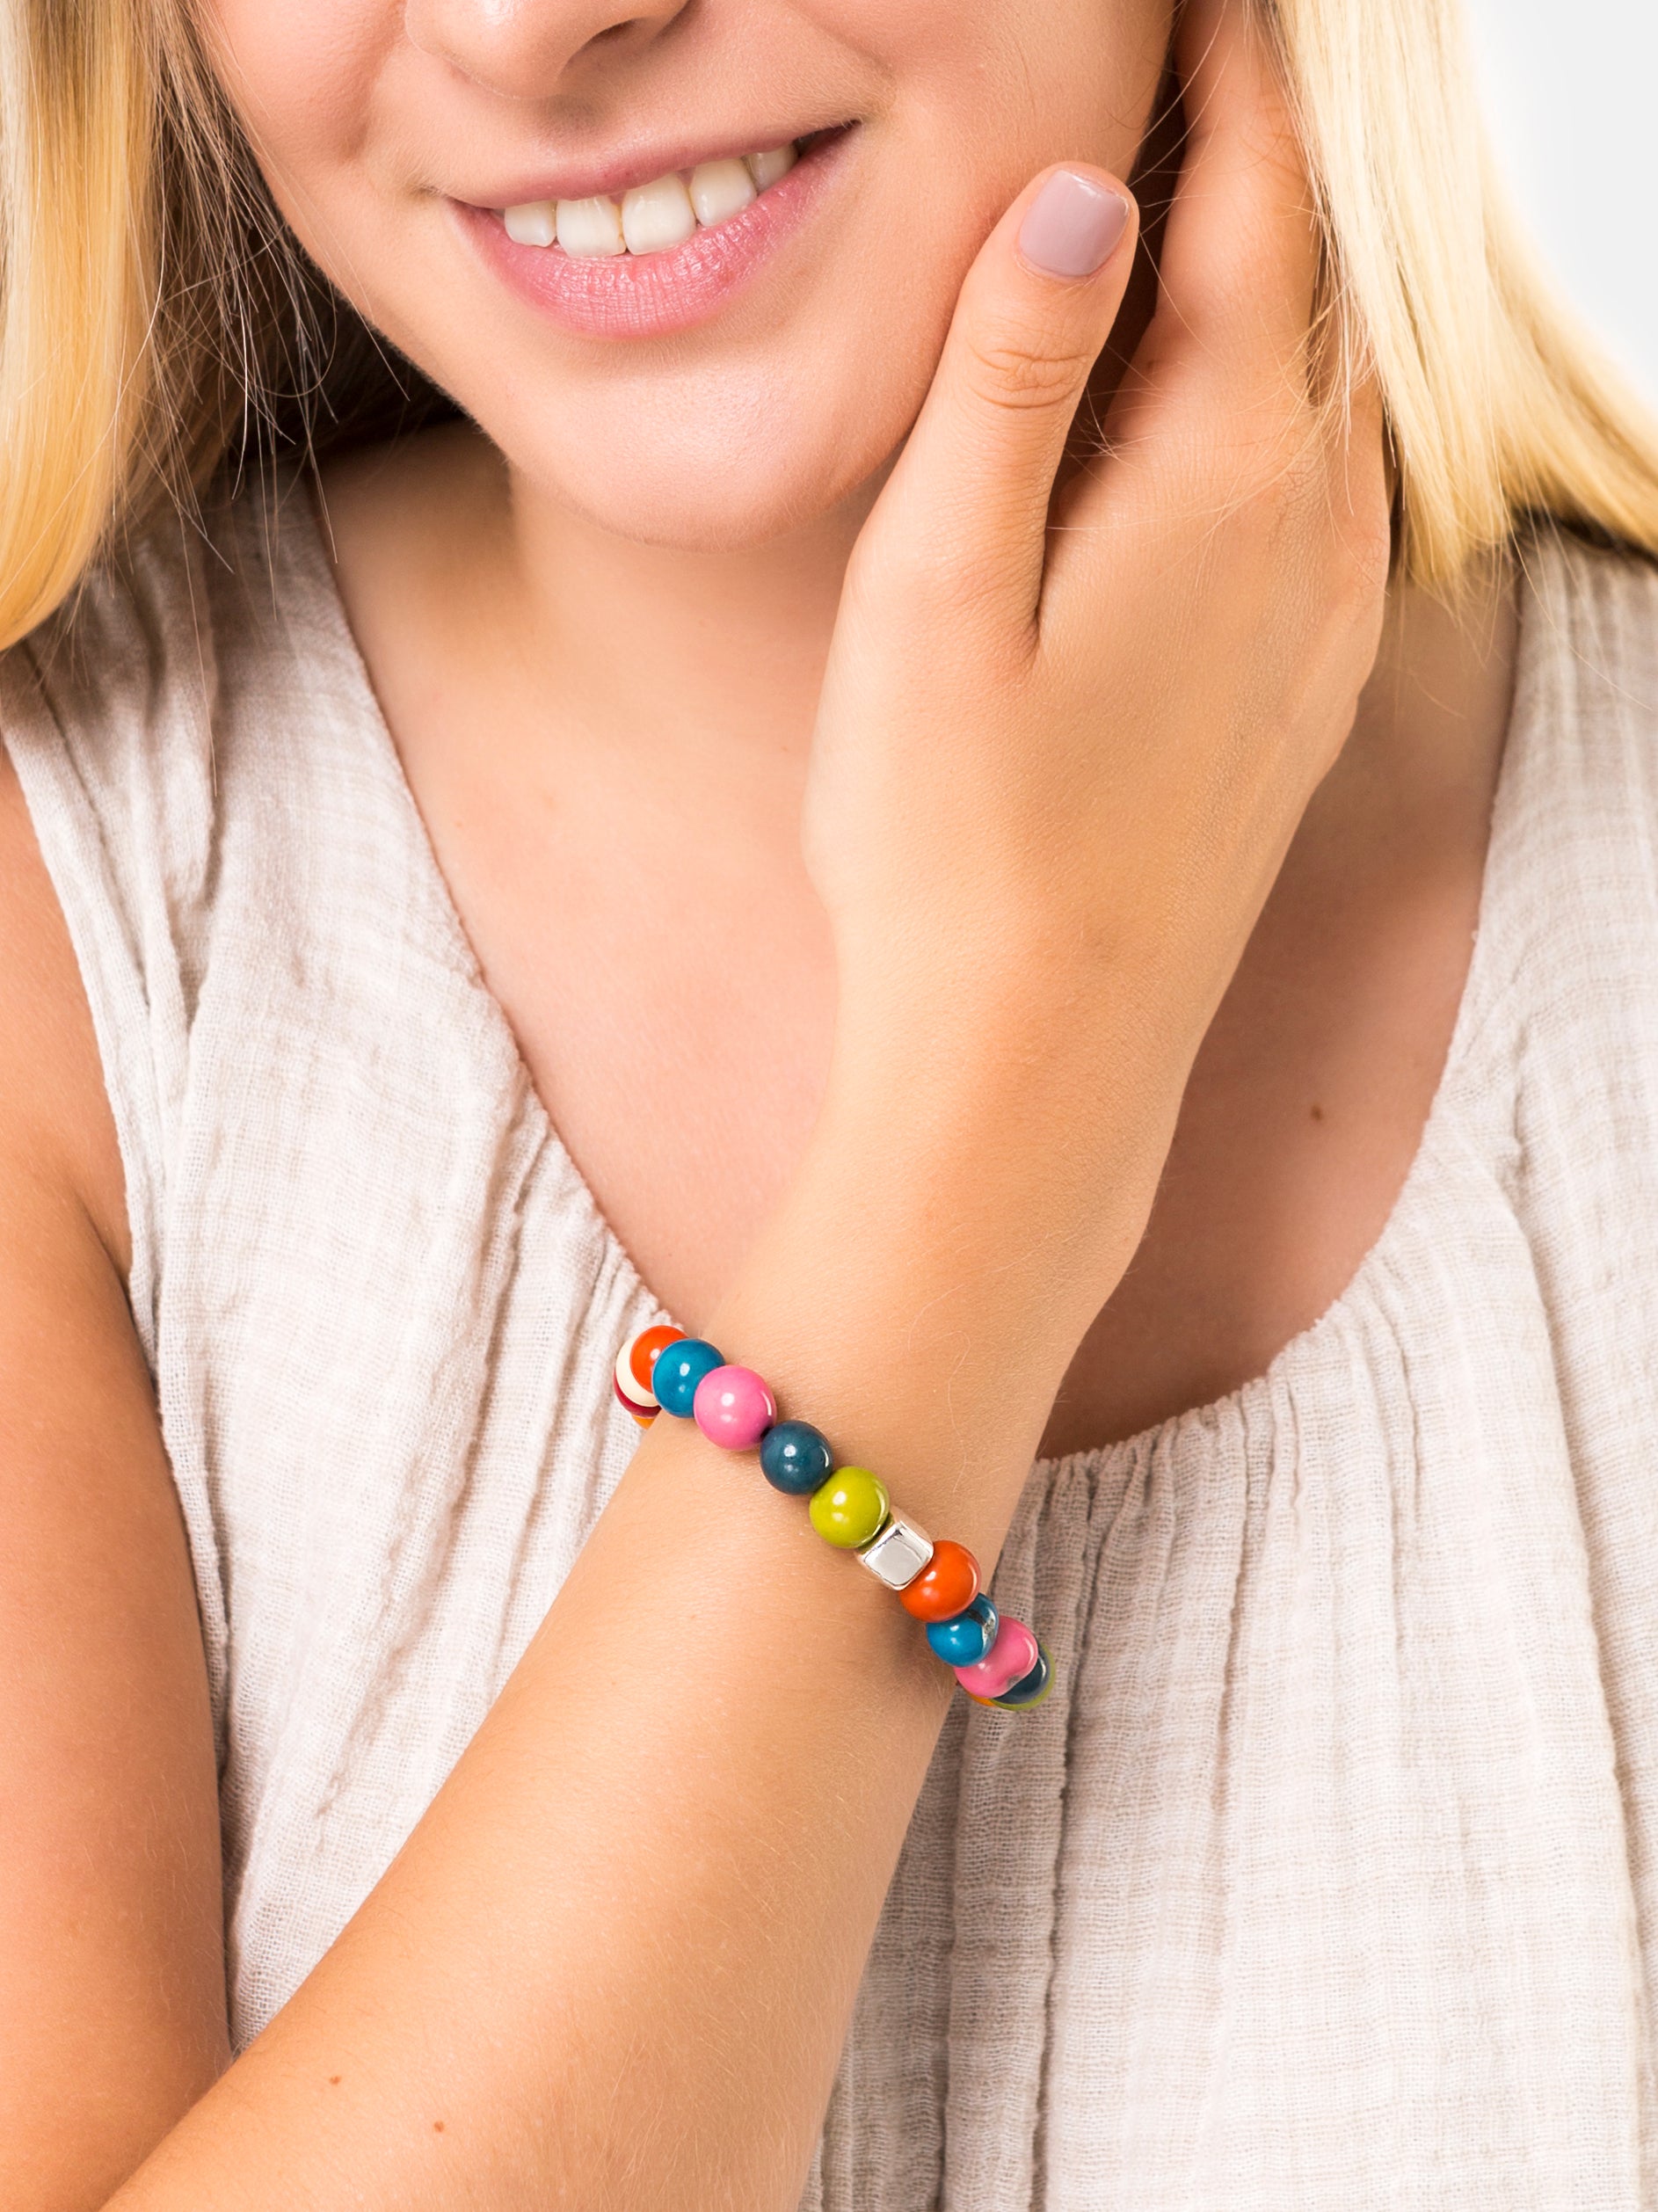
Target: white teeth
<point>652,217</point>
<point>589,228</point>
<point>534,224</point>
<point>720,190</point>
<point>766,169</point>
<point>658,215</point>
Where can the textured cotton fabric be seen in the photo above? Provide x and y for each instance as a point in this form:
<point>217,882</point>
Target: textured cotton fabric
<point>1328,1875</point>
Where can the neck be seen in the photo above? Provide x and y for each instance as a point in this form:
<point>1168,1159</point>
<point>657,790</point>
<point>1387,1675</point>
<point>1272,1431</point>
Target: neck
<point>546,638</point>
<point>687,647</point>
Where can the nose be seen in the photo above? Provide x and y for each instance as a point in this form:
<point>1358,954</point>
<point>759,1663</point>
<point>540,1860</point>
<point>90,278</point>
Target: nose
<point>521,48</point>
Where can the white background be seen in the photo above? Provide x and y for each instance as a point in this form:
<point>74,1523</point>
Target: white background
<point>1571,94</point>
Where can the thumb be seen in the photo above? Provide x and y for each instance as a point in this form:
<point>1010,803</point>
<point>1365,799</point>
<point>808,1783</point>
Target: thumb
<point>975,478</point>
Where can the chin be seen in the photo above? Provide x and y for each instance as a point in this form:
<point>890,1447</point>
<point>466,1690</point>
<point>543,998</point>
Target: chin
<point>716,487</point>
<point>690,510</point>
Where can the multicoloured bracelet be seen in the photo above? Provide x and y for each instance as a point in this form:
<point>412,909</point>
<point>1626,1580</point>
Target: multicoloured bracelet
<point>995,1658</point>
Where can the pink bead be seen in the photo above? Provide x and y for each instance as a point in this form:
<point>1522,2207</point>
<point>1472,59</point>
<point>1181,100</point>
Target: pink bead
<point>1010,1660</point>
<point>732,1407</point>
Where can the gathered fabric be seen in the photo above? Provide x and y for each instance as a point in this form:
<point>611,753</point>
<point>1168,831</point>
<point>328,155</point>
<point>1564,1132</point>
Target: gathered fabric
<point>1327,1876</point>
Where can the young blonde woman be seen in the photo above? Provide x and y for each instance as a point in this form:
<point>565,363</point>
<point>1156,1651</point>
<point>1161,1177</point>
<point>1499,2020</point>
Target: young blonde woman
<point>1061,865</point>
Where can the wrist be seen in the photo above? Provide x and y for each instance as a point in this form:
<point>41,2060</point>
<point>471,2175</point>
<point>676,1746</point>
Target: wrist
<point>1013,1166</point>
<point>922,1287</point>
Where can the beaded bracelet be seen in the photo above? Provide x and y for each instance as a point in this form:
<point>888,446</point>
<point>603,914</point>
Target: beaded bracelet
<point>995,1658</point>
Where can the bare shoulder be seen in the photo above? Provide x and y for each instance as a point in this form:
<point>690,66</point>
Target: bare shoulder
<point>55,1117</point>
<point>112,2011</point>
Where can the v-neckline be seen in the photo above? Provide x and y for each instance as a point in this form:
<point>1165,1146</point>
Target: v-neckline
<point>1295,1352</point>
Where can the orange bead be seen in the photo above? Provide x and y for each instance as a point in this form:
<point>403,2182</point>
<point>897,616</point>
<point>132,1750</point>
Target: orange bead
<point>946,1586</point>
<point>646,1348</point>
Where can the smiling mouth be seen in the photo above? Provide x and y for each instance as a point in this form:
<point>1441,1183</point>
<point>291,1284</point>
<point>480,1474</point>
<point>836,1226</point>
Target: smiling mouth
<point>662,255</point>
<point>656,216</point>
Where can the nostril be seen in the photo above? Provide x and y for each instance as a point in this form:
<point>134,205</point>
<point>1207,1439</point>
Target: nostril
<point>522,51</point>
<point>614,34</point>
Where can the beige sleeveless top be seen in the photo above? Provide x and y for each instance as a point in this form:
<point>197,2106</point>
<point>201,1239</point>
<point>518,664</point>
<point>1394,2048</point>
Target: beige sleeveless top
<point>1328,1876</point>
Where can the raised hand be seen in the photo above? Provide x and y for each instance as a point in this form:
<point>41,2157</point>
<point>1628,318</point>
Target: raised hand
<point>1065,741</point>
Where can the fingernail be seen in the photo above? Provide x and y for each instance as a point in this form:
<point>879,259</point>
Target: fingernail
<point>1072,225</point>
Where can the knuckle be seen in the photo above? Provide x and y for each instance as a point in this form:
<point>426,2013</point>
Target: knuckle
<point>1020,370</point>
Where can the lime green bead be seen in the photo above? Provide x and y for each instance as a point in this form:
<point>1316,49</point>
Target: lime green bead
<point>849,1508</point>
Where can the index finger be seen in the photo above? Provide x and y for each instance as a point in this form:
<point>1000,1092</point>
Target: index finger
<point>1239,265</point>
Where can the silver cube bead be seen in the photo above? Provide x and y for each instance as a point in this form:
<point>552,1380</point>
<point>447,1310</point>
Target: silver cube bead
<point>898,1553</point>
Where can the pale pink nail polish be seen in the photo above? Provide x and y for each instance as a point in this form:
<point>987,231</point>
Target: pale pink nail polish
<point>1072,225</point>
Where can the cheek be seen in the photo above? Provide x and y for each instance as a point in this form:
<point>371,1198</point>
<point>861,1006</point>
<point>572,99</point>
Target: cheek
<point>302,75</point>
<point>1004,87</point>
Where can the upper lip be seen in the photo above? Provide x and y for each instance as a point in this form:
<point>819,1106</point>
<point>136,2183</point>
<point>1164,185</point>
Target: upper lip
<point>639,163</point>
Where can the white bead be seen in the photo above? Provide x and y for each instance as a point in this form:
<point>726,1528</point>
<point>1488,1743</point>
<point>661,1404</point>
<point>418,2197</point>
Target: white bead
<point>898,1553</point>
<point>627,1382</point>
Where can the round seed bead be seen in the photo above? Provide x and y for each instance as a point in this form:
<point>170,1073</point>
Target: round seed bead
<point>849,1508</point>
<point>733,1408</point>
<point>796,1457</point>
<point>638,1364</point>
<point>967,1639</point>
<point>643,1415</point>
<point>1030,1688</point>
<point>637,1400</point>
<point>946,1586</point>
<point>1010,1660</point>
<point>677,1371</point>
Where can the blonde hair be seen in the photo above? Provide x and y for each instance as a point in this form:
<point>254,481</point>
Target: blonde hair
<point>150,303</point>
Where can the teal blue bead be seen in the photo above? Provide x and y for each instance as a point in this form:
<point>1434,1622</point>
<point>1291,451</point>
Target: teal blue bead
<point>677,1371</point>
<point>1030,1688</point>
<point>794,1456</point>
<point>965,1638</point>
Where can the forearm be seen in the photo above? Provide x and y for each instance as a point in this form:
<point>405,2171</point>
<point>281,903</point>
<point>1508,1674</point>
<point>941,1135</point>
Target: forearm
<point>614,1963</point>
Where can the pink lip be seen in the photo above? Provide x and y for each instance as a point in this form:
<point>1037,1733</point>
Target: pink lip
<point>653,294</point>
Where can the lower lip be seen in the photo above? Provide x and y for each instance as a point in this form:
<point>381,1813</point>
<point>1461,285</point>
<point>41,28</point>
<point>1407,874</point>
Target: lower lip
<point>653,294</point>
